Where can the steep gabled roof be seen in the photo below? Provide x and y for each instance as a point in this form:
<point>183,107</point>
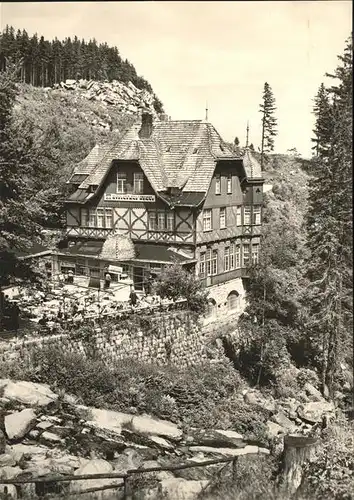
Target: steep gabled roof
<point>180,154</point>
<point>252,167</point>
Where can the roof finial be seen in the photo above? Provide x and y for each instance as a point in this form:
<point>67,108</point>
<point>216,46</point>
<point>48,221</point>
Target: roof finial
<point>247,133</point>
<point>206,111</point>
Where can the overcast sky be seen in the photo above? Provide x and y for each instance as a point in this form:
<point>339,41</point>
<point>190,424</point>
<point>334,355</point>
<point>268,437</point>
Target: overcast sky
<point>219,52</point>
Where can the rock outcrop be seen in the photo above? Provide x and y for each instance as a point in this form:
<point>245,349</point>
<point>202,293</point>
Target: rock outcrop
<point>126,97</point>
<point>46,435</point>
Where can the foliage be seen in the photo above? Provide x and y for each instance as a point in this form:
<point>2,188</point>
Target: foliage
<point>269,122</point>
<point>252,479</point>
<point>64,132</point>
<point>323,130</point>
<point>262,352</point>
<point>205,395</point>
<point>328,298</point>
<point>44,62</point>
<point>23,186</point>
<point>176,283</point>
<point>271,330</point>
<point>330,475</point>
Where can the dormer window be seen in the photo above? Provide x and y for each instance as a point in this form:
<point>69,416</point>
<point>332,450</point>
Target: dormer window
<point>138,182</point>
<point>218,184</point>
<point>121,182</point>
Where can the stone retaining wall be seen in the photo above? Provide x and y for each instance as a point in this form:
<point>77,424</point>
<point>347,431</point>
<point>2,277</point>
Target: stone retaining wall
<point>176,337</point>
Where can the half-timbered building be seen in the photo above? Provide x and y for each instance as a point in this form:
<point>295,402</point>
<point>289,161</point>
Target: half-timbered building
<point>177,192</point>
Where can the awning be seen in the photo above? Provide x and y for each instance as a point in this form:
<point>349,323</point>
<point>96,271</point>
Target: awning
<point>159,254</point>
<point>144,252</point>
<point>84,248</point>
<point>33,250</point>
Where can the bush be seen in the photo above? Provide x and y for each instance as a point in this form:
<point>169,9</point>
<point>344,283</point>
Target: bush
<point>176,283</point>
<point>252,479</point>
<point>330,476</point>
<point>205,395</point>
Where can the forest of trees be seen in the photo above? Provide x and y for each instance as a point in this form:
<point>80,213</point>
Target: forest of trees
<point>45,62</point>
<point>300,295</point>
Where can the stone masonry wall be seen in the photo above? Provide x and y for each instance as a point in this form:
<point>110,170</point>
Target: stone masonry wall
<point>175,337</point>
<point>219,293</point>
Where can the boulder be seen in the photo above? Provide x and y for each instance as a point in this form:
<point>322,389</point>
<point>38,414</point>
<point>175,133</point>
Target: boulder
<point>8,472</point>
<point>215,438</point>
<point>129,459</point>
<point>29,393</point>
<point>105,419</point>
<point>18,424</point>
<point>83,84</point>
<point>161,442</point>
<point>7,460</point>
<point>281,419</point>
<point>19,450</point>
<point>10,490</point>
<point>44,425</point>
<point>181,489</point>
<point>96,466</point>
<point>50,438</point>
<point>226,452</point>
<point>151,426</point>
<point>274,429</point>
<point>312,392</point>
<point>313,412</point>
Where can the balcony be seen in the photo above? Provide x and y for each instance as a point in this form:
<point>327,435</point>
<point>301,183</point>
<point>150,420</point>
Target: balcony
<point>224,277</point>
<point>88,232</point>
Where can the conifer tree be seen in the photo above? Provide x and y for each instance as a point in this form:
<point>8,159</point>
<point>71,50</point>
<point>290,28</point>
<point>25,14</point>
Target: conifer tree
<point>269,122</point>
<point>329,268</point>
<point>22,185</point>
<point>324,122</point>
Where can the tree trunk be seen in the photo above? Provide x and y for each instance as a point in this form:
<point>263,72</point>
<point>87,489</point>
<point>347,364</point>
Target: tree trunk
<point>297,450</point>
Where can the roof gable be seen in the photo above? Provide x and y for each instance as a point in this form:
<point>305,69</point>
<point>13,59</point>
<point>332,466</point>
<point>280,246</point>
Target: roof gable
<point>180,154</point>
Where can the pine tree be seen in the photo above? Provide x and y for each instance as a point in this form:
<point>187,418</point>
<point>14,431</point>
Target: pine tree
<point>324,122</point>
<point>269,122</point>
<point>329,269</point>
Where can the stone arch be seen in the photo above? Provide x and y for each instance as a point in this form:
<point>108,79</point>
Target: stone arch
<point>233,300</point>
<point>211,308</point>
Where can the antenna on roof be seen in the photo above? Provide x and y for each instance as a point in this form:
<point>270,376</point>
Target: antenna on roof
<point>247,133</point>
<point>206,111</point>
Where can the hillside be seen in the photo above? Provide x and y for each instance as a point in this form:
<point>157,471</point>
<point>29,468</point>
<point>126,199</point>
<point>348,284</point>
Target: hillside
<point>45,63</point>
<point>79,115</point>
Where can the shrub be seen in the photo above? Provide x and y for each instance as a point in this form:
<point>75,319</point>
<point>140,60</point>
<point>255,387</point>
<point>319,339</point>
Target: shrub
<point>200,396</point>
<point>252,479</point>
<point>176,283</point>
<point>331,474</point>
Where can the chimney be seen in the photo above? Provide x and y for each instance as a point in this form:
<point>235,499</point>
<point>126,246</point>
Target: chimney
<point>163,117</point>
<point>146,126</point>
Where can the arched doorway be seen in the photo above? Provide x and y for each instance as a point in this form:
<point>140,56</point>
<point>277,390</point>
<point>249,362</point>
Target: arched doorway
<point>211,309</point>
<point>233,301</point>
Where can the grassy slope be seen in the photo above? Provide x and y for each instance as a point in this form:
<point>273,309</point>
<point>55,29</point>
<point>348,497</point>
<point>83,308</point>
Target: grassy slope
<point>77,118</point>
